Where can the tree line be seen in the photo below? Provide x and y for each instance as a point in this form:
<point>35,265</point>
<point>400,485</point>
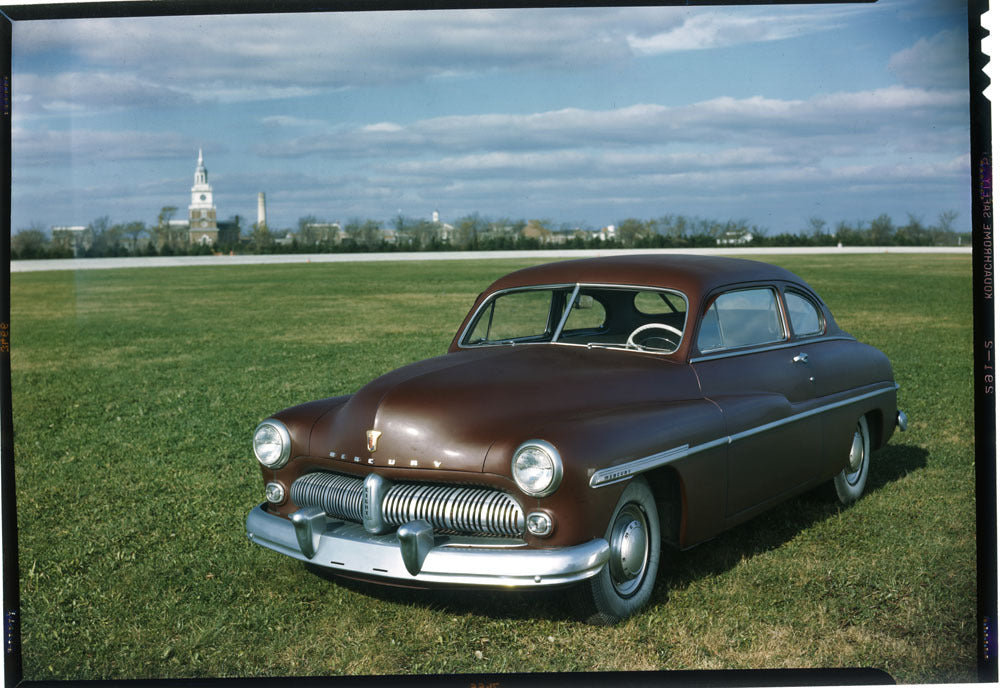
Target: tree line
<point>102,238</point>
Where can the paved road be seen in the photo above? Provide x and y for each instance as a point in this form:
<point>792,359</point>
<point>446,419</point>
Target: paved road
<point>174,261</point>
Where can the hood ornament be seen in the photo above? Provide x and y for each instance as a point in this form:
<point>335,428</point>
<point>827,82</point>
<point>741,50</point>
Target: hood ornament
<point>373,436</point>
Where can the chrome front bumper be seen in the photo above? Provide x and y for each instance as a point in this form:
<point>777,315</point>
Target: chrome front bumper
<point>414,554</point>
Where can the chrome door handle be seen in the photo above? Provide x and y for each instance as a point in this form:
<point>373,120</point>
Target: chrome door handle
<point>801,358</point>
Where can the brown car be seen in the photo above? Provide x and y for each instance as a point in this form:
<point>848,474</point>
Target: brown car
<point>586,410</point>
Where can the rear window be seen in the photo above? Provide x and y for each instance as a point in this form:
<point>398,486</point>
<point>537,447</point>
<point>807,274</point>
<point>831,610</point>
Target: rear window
<point>747,317</point>
<point>803,315</point>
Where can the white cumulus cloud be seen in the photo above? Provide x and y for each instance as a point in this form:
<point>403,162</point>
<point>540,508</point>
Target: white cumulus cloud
<point>730,26</point>
<point>941,61</point>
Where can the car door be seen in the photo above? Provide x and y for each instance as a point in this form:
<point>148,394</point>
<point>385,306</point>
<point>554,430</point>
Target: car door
<point>838,367</point>
<point>747,363</point>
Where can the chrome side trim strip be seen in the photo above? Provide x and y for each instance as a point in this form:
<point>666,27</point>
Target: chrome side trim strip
<point>624,471</point>
<point>614,474</point>
<point>773,347</point>
<point>807,414</point>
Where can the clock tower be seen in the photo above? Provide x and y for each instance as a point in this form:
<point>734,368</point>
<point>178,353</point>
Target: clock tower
<point>201,213</point>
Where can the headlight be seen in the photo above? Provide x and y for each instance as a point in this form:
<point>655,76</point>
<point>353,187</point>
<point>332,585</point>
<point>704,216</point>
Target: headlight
<point>537,468</point>
<point>272,444</point>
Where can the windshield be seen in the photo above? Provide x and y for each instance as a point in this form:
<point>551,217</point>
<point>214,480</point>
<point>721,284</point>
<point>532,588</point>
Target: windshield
<point>617,317</point>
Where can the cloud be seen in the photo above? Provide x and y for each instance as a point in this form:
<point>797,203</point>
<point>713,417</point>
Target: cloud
<point>571,163</point>
<point>287,121</point>
<point>367,153</point>
<point>941,61</point>
<point>729,27</point>
<point>76,91</point>
<point>869,115</point>
<point>32,148</point>
<point>240,58</point>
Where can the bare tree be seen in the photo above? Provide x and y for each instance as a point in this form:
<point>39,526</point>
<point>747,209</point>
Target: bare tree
<point>881,230</point>
<point>817,226</point>
<point>133,230</point>
<point>260,237</point>
<point>946,221</point>
<point>162,229</point>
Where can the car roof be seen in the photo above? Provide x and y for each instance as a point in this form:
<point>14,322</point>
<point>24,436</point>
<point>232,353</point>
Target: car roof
<point>695,275</point>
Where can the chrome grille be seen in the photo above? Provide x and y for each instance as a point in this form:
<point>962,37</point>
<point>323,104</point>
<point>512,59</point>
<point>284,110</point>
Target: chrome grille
<point>462,509</point>
<point>340,496</point>
<point>467,510</point>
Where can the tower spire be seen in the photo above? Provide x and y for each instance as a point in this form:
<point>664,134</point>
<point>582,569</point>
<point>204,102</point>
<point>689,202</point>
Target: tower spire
<point>200,173</point>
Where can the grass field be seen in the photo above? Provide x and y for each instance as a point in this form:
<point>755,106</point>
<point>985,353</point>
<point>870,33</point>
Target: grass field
<point>136,391</point>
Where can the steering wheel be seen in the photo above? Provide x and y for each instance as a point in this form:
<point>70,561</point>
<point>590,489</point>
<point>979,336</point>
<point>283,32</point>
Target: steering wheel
<point>649,326</point>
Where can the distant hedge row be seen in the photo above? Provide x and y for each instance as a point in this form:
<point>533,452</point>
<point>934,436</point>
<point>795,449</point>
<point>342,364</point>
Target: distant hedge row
<point>474,233</point>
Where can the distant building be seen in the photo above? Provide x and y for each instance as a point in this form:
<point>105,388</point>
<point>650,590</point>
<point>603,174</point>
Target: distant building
<point>535,230</point>
<point>323,233</point>
<point>202,225</point>
<point>444,230</point>
<point>75,237</point>
<point>734,237</point>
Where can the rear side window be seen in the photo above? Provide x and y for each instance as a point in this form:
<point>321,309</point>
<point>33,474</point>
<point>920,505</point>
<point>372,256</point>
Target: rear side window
<point>587,314</point>
<point>803,315</point>
<point>658,303</point>
<point>741,318</point>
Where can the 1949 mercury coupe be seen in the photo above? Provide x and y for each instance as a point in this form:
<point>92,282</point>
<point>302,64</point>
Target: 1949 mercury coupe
<point>586,410</point>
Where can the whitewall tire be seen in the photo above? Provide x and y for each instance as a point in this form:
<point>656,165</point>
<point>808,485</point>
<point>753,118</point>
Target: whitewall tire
<point>850,482</point>
<point>625,584</point>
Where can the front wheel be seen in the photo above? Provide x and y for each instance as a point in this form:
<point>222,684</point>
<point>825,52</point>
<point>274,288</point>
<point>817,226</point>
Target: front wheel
<point>626,582</point>
<point>850,482</point>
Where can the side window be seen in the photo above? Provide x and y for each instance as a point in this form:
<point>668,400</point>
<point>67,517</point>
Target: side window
<point>587,314</point>
<point>741,318</point>
<point>658,303</point>
<point>803,315</point>
<point>710,336</point>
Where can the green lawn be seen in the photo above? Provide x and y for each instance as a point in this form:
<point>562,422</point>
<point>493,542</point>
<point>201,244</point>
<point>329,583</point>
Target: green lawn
<point>136,392</point>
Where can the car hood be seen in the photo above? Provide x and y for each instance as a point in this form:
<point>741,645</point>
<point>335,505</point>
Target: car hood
<point>444,413</point>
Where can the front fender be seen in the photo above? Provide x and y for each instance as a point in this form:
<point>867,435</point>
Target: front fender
<point>300,421</point>
<point>594,441</point>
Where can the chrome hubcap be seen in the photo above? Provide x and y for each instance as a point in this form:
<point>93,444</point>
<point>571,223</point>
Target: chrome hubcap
<point>629,549</point>
<point>857,458</point>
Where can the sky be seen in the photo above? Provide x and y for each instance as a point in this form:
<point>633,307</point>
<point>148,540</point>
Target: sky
<point>583,117</point>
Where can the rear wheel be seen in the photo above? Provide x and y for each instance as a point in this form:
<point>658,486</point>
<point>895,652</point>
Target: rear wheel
<point>626,582</point>
<point>850,482</point>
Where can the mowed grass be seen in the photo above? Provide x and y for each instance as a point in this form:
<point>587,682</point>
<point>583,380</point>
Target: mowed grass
<point>136,392</point>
